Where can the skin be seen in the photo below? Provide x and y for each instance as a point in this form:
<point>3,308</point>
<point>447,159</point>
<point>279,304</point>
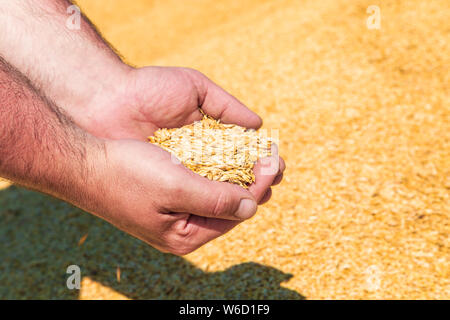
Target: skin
<point>132,184</point>
<point>41,147</point>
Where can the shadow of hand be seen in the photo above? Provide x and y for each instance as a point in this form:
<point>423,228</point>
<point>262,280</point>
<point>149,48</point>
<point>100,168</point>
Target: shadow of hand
<point>40,234</point>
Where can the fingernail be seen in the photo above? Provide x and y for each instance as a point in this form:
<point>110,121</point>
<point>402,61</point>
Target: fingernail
<point>247,209</point>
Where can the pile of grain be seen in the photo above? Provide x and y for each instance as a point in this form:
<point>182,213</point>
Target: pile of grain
<point>217,151</point>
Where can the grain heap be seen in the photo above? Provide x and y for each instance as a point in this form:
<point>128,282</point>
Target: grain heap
<point>217,151</point>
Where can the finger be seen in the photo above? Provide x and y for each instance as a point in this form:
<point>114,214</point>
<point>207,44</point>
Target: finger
<point>266,197</point>
<point>265,170</point>
<point>219,104</point>
<point>203,230</point>
<point>197,195</point>
<point>277,179</point>
<point>282,166</point>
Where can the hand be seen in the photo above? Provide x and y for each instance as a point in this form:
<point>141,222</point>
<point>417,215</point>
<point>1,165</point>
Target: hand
<point>144,100</point>
<point>141,191</point>
<point>136,186</point>
<point>162,203</point>
<point>132,184</point>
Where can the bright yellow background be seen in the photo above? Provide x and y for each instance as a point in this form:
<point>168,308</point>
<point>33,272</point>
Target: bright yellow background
<point>364,120</point>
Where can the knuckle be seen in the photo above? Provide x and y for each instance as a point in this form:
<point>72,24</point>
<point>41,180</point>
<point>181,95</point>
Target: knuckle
<point>222,205</point>
<point>197,78</point>
<point>194,72</point>
<point>179,240</point>
<point>182,229</point>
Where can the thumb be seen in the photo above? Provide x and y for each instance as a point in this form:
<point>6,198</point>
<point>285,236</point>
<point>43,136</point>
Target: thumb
<point>219,104</point>
<point>199,196</point>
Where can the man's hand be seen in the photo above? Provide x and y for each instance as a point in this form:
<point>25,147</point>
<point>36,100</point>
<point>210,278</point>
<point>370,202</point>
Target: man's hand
<point>143,100</point>
<point>80,72</point>
<point>165,204</point>
<point>132,184</point>
<point>136,187</point>
<point>147,99</point>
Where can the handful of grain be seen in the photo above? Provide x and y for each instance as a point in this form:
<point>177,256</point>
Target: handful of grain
<point>217,151</point>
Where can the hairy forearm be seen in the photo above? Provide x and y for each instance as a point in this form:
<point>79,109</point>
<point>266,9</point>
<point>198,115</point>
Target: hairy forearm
<point>72,66</point>
<point>40,147</point>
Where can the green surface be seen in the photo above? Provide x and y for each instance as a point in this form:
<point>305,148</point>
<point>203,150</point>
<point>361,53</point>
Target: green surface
<point>39,238</point>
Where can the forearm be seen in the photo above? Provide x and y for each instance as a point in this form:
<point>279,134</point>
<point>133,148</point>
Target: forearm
<point>73,67</point>
<point>40,147</point>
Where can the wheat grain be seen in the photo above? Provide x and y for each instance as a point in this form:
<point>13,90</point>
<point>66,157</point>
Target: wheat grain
<point>217,151</point>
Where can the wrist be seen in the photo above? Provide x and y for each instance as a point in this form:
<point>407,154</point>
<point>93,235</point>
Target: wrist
<point>110,111</point>
<point>101,92</point>
<point>77,177</point>
<point>88,186</point>
<point>98,85</point>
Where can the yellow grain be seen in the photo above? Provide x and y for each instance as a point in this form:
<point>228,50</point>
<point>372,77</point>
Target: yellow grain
<point>217,151</point>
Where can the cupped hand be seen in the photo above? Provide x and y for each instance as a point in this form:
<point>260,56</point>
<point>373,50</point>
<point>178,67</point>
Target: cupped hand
<point>142,191</point>
<point>150,98</point>
<point>160,201</point>
<point>146,99</point>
